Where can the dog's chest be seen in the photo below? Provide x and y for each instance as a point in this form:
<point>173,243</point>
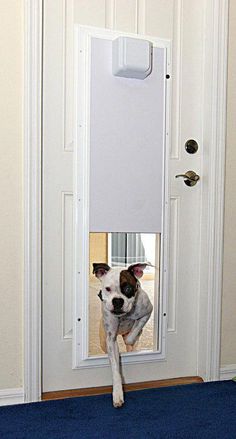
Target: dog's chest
<point>125,325</point>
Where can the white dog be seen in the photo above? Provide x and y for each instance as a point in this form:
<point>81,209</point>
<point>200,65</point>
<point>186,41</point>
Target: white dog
<point>126,308</point>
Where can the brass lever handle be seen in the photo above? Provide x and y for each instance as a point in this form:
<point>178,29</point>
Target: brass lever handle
<point>190,178</point>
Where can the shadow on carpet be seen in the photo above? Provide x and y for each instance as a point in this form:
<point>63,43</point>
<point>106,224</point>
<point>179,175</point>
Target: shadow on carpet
<point>202,411</point>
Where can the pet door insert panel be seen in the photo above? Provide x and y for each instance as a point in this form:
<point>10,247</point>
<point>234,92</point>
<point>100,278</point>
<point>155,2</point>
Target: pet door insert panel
<point>127,136</point>
<point>120,190</point>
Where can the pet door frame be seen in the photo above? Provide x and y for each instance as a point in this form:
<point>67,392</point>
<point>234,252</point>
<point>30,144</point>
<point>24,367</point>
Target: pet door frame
<point>82,68</point>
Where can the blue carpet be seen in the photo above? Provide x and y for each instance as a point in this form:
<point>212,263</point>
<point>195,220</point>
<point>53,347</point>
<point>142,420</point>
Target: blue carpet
<point>202,411</point>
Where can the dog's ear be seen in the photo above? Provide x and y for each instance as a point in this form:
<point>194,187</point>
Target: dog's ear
<point>99,269</point>
<point>137,269</point>
<point>100,295</point>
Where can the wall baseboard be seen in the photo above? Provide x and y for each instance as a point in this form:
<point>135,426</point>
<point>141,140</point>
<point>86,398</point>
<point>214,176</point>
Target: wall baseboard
<point>228,372</point>
<point>11,396</point>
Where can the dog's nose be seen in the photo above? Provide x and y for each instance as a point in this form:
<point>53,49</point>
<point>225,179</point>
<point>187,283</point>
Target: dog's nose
<point>117,302</point>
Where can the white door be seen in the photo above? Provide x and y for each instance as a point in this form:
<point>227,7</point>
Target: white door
<point>182,22</point>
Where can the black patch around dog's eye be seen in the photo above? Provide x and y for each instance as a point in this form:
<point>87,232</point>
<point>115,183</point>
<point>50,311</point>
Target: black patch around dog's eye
<point>100,295</point>
<point>128,284</point>
<point>128,290</point>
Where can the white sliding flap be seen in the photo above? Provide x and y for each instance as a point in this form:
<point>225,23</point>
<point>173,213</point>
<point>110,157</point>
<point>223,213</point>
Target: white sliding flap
<point>127,137</point>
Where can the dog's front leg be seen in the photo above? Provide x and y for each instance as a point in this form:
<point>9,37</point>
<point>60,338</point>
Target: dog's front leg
<point>113,353</point>
<point>138,325</point>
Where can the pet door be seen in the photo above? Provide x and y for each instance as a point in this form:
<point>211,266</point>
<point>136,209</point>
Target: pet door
<point>121,133</point>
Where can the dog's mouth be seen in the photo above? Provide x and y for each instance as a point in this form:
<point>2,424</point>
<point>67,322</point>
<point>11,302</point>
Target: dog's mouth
<point>118,312</point>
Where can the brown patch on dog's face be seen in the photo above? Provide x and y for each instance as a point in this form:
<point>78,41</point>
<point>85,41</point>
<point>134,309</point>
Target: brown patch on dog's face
<point>128,284</point>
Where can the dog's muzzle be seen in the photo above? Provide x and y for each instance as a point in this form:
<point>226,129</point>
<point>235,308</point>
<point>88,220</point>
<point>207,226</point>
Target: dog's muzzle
<point>117,303</point>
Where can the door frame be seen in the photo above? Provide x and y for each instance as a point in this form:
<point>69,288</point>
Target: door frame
<point>215,82</point>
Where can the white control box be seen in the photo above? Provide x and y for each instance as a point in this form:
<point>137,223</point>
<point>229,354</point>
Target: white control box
<point>131,57</point>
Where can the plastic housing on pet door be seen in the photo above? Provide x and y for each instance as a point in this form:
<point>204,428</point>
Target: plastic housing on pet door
<point>131,57</point>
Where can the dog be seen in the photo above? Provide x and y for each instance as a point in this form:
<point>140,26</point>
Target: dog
<point>126,308</point>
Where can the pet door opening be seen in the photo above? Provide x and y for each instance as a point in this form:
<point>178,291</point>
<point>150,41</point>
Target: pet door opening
<point>122,250</point>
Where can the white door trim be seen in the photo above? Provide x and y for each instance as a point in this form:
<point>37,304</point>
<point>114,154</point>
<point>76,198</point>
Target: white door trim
<point>215,104</point>
<point>214,135</point>
<point>33,16</point>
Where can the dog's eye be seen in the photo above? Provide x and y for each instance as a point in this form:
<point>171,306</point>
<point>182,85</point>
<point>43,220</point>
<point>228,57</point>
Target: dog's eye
<point>108,289</point>
<point>128,289</point>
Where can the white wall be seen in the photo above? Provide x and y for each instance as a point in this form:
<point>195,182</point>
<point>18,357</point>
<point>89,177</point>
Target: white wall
<point>11,206</point>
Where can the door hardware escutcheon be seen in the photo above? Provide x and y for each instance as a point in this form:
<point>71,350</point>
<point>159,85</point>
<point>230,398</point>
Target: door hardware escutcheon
<point>190,178</point>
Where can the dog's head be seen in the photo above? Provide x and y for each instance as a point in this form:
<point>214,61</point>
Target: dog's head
<point>119,286</point>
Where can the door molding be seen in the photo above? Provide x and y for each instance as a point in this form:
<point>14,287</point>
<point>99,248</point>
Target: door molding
<point>214,135</point>
<point>216,17</point>
<point>33,19</point>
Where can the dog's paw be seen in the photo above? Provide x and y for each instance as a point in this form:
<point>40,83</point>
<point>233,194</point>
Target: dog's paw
<point>118,397</point>
<point>130,340</point>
